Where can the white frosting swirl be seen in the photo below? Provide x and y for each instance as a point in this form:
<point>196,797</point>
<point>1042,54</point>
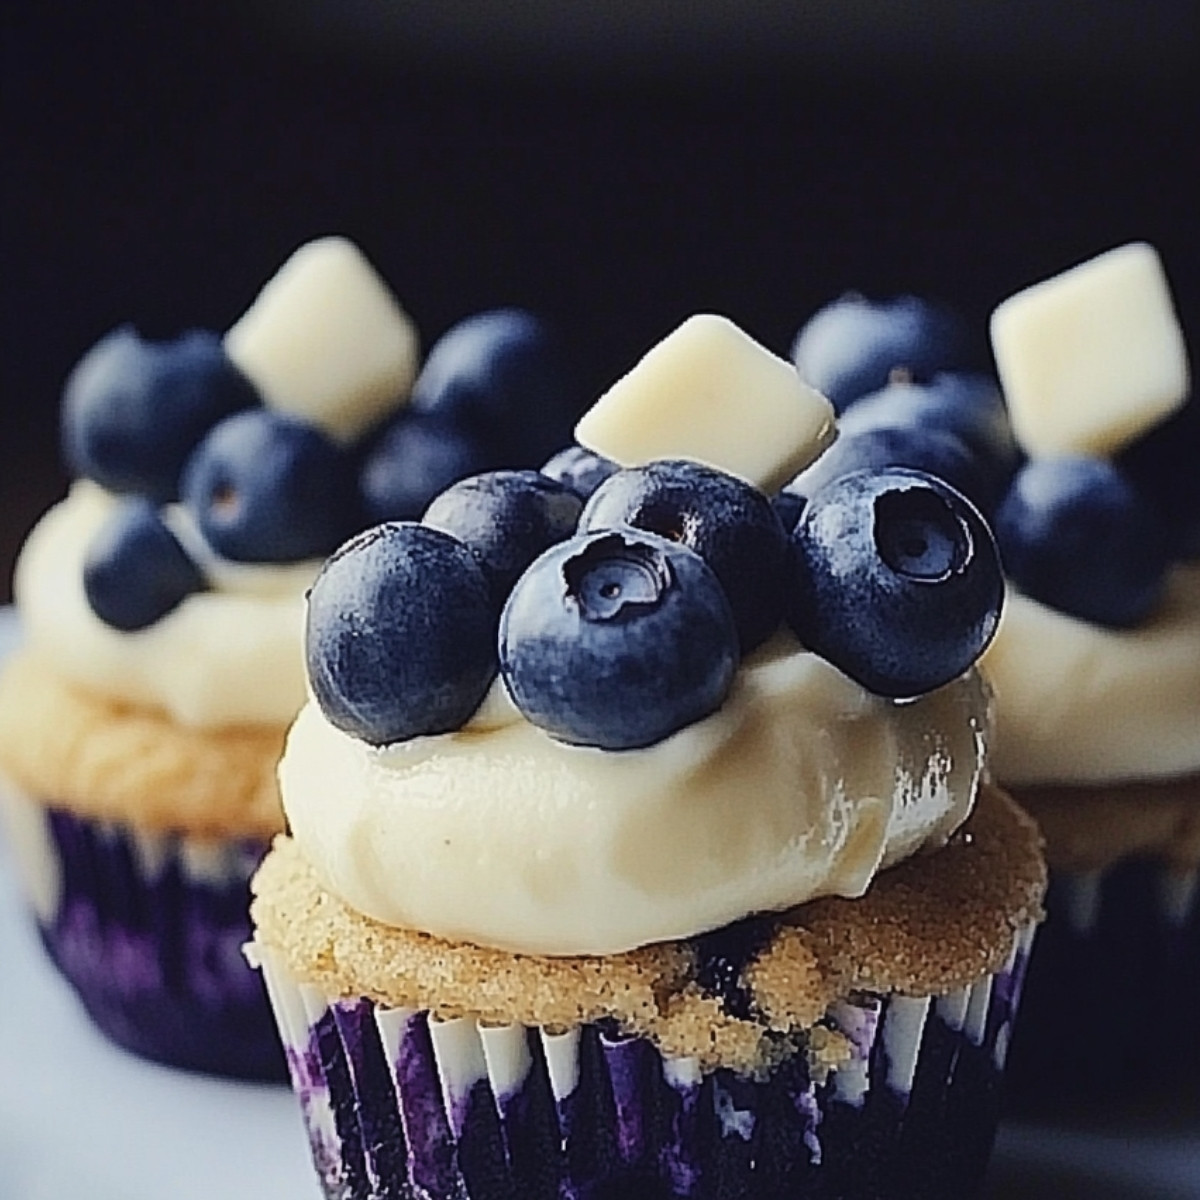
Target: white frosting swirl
<point>1079,703</point>
<point>228,656</point>
<point>801,785</point>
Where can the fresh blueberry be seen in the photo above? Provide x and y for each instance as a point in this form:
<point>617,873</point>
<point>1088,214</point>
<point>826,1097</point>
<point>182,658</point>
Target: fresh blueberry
<point>898,582</point>
<point>133,410</point>
<point>852,345</point>
<point>580,469</point>
<point>730,524</point>
<point>1076,535</point>
<point>263,487</point>
<point>414,458</point>
<point>967,404</point>
<point>617,639</point>
<point>135,571</point>
<point>400,638</point>
<point>928,448</point>
<point>502,375</point>
<point>788,506</point>
<point>506,519</point>
<point>1162,465</point>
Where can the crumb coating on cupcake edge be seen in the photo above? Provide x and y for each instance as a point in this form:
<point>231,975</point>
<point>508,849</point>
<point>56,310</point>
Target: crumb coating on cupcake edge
<point>927,926</point>
<point>109,760</point>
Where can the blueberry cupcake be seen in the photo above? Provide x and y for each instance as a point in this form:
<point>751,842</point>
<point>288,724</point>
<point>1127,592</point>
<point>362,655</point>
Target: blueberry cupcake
<point>1096,669</point>
<point>161,606</point>
<point>1079,442</point>
<point>638,847</point>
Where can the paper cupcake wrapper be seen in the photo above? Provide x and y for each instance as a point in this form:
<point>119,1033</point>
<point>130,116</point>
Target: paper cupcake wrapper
<point>399,1105</point>
<point>1116,972</point>
<point>148,928</point>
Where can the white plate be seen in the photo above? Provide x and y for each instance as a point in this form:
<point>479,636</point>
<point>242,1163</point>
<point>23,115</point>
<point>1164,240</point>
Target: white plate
<point>82,1120</point>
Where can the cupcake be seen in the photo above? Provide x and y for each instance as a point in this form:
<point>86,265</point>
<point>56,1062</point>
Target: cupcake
<point>1079,442</point>
<point>639,848</point>
<point>1096,669</point>
<point>161,610</point>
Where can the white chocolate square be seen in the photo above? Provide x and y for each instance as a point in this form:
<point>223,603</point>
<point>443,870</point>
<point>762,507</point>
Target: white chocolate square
<point>325,341</point>
<point>1093,357</point>
<point>710,393</point>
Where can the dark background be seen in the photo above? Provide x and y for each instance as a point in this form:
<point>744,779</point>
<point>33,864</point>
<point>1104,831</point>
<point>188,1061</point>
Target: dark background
<point>620,165</point>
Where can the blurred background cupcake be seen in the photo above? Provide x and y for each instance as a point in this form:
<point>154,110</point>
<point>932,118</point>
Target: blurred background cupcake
<point>1097,672</point>
<point>161,602</point>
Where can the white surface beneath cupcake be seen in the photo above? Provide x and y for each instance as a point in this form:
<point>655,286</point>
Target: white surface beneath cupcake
<point>78,1117</point>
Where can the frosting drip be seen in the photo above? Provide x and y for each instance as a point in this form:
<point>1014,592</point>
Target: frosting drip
<point>223,657</point>
<point>802,784</point>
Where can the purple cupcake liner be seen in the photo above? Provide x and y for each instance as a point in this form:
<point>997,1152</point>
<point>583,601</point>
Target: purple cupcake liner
<point>1117,966</point>
<point>401,1106</point>
<point>148,929</point>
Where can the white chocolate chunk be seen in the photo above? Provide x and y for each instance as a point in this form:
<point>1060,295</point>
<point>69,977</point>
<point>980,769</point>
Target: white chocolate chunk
<point>325,341</point>
<point>1093,357</point>
<point>710,393</point>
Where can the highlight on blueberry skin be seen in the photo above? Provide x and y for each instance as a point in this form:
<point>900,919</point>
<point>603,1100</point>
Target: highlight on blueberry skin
<point>263,487</point>
<point>581,469</point>
<point>132,409</point>
<point>506,519</point>
<point>400,634</point>
<point>729,523</point>
<point>1075,534</point>
<point>898,581</point>
<point>617,639</point>
<point>135,571</point>
<point>852,345</point>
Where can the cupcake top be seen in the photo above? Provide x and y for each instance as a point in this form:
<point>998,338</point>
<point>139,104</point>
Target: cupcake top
<point>617,702</point>
<point>214,474</point>
<point>1081,450</point>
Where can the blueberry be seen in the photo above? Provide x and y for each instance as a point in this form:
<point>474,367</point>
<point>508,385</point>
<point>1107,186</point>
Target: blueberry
<point>506,518</point>
<point>788,506</point>
<point>898,582</point>
<point>400,638</point>
<point>617,639</point>
<point>266,488</point>
<point>730,524</point>
<point>414,458</point>
<point>1162,466</point>
<point>927,448</point>
<point>135,572</point>
<point>502,374</point>
<point>580,469</point>
<point>852,345</point>
<point>968,404</point>
<point>1076,535</point>
<point>133,410</point>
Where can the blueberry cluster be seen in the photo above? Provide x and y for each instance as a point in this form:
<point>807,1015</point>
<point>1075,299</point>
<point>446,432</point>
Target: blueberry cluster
<point>176,422</point>
<point>617,604</point>
<point>1091,537</point>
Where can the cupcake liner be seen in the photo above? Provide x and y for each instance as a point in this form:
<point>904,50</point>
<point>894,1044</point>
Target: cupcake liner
<point>148,929</point>
<point>399,1104</point>
<point>1116,971</point>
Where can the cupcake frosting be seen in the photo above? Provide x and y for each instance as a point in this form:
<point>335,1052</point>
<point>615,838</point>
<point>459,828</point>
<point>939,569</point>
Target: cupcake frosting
<point>230,655</point>
<point>802,784</point>
<point>1080,703</point>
